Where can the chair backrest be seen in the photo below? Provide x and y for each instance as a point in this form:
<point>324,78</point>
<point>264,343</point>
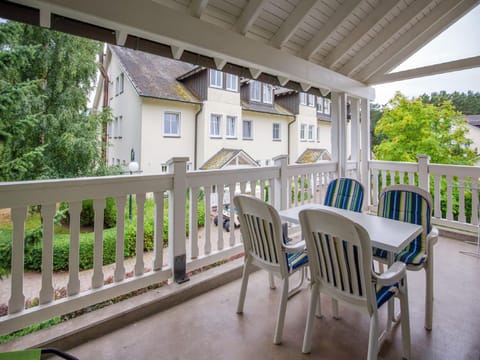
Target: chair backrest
<point>345,193</point>
<point>411,204</point>
<point>261,231</point>
<point>339,254</point>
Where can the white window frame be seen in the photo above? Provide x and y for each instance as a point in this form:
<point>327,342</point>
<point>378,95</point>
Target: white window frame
<point>122,83</point>
<point>303,98</point>
<point>216,79</point>
<point>318,133</point>
<point>311,100</point>
<point>119,127</point>
<point>276,131</point>
<point>164,168</point>
<point>256,89</point>
<point>326,107</point>
<point>215,126</point>
<point>247,136</point>
<point>170,133</point>
<point>117,85</point>
<point>320,104</point>
<point>311,130</point>
<point>303,132</point>
<point>267,94</point>
<point>115,127</point>
<point>231,82</point>
<point>231,132</point>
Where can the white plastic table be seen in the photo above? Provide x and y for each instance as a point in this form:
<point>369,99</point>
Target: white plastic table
<point>386,234</point>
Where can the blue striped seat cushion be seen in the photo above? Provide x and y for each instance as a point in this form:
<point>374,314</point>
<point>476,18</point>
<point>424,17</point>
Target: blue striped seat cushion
<point>295,260</point>
<point>408,207</point>
<point>344,193</point>
<point>384,293</point>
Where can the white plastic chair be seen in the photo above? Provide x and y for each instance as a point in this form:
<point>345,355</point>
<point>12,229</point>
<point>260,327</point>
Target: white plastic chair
<point>412,204</point>
<point>340,258</point>
<point>261,230</point>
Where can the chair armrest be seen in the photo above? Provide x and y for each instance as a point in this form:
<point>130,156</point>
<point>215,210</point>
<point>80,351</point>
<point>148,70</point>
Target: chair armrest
<point>432,239</point>
<point>296,247</point>
<point>393,275</point>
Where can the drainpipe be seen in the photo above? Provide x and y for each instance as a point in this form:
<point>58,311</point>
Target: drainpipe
<point>288,136</point>
<point>195,141</point>
<point>106,80</point>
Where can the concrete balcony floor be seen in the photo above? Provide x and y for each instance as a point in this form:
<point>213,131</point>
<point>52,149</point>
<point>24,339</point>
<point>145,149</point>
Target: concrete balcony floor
<point>207,326</point>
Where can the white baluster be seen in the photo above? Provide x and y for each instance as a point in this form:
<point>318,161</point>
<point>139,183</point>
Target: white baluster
<point>243,187</point>
<point>271,192</point>
<point>262,190</point>
<point>474,218</point>
<point>119,273</point>
<point>193,222</point>
<point>220,193</point>
<point>295,190</point>
<point>73,288</point>
<point>231,190</point>
<point>208,224</point>
<point>375,187</point>
<point>139,265</point>
<point>46,292</point>
<point>158,233</point>
<point>438,197</point>
<point>97,279</point>
<point>461,200</point>
<point>411,178</point>
<point>449,198</point>
<point>17,299</point>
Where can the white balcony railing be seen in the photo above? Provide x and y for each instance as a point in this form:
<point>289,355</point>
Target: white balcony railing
<point>279,184</point>
<point>454,189</point>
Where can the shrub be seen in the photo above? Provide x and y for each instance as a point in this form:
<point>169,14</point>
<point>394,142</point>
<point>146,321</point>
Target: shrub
<point>33,236</point>
<point>87,215</point>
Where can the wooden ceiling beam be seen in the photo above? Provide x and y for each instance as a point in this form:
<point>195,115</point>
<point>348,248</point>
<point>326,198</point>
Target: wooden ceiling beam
<point>339,15</point>
<point>293,22</point>
<point>385,35</point>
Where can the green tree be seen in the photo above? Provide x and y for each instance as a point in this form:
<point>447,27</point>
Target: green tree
<point>411,127</point>
<point>45,128</point>
<point>467,103</point>
<point>376,112</point>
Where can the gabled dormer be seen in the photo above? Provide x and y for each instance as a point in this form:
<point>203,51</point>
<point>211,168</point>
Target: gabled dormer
<point>294,100</point>
<point>204,82</point>
<point>256,92</point>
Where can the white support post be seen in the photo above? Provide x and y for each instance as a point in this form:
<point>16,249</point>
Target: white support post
<point>280,197</point>
<point>339,131</point>
<point>355,133</point>
<point>365,153</point>
<point>176,217</point>
<point>335,126</point>
<point>423,176</point>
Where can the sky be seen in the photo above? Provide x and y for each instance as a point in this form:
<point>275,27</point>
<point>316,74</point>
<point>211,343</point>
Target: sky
<point>460,40</point>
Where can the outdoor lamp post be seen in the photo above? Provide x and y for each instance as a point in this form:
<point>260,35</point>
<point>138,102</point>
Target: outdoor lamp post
<point>133,168</point>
